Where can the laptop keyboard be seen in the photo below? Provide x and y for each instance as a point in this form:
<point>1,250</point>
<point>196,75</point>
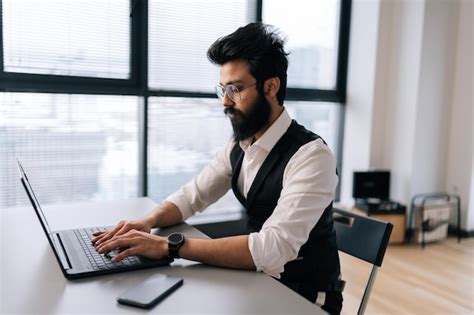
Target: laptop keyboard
<point>98,261</point>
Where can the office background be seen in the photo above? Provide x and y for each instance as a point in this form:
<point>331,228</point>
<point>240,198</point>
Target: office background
<point>409,103</point>
<point>112,99</point>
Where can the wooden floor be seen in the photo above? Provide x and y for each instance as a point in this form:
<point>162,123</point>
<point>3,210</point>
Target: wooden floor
<point>436,280</point>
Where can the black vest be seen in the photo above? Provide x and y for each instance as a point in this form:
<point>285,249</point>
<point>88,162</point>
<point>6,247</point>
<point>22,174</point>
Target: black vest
<point>319,267</point>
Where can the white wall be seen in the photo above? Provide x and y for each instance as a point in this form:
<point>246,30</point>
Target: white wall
<point>401,83</point>
<point>361,82</point>
<point>403,107</point>
<point>434,96</point>
<point>460,169</point>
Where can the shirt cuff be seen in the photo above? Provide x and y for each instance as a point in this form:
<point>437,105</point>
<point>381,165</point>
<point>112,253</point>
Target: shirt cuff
<point>256,246</point>
<point>183,205</point>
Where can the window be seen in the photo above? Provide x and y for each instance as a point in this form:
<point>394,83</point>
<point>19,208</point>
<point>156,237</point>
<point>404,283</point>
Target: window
<point>98,97</point>
<point>184,136</point>
<point>87,38</point>
<point>312,42</point>
<point>323,118</point>
<point>178,51</point>
<point>73,147</point>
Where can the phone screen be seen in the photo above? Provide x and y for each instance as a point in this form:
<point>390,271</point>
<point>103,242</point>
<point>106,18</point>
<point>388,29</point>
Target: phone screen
<point>151,291</point>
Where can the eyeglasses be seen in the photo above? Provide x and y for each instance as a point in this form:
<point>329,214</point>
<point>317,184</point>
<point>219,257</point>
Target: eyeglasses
<point>231,91</point>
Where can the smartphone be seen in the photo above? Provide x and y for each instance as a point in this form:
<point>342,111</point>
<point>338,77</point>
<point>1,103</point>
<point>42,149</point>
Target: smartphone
<point>151,291</point>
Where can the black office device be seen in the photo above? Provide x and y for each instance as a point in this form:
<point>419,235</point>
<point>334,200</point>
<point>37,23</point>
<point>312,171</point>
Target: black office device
<point>371,191</point>
<point>371,185</point>
<point>74,251</point>
<point>151,291</point>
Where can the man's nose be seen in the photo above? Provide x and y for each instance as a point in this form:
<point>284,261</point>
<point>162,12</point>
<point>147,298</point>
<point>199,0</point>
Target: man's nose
<point>226,100</point>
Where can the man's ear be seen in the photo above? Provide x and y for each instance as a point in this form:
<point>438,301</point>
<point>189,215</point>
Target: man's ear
<point>271,86</point>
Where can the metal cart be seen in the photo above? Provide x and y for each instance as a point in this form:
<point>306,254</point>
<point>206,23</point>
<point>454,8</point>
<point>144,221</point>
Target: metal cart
<point>430,216</point>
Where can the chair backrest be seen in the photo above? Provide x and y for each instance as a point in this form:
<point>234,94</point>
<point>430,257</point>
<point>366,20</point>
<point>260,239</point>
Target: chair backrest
<point>365,238</point>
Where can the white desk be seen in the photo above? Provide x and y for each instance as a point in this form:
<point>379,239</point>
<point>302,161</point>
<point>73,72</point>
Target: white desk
<point>31,281</point>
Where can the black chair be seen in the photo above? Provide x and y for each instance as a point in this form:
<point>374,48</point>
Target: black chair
<point>364,238</point>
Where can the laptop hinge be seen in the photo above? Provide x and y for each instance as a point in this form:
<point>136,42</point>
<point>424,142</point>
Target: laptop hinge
<point>61,251</point>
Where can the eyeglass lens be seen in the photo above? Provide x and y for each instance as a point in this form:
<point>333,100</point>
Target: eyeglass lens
<point>231,91</point>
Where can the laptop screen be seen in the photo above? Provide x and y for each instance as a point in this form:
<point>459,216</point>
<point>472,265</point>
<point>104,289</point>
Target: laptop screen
<point>33,199</point>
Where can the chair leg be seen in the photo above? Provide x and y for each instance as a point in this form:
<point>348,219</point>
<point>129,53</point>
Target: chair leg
<point>368,289</point>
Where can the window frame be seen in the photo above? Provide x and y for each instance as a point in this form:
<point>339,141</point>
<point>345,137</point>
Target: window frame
<point>137,84</point>
<point>69,84</point>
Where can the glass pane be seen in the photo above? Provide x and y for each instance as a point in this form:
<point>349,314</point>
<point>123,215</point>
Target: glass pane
<point>312,29</point>
<point>89,38</point>
<point>184,135</point>
<point>73,147</point>
<point>181,31</point>
<point>319,117</point>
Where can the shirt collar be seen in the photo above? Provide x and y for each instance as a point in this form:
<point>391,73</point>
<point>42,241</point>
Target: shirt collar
<point>268,140</point>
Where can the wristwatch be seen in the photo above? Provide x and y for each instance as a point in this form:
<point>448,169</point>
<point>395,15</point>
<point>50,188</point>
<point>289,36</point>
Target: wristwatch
<point>175,241</point>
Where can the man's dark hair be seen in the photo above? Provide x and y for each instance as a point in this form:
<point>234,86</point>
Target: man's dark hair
<point>261,46</point>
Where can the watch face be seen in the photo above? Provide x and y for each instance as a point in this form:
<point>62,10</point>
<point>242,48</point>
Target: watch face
<point>175,238</point>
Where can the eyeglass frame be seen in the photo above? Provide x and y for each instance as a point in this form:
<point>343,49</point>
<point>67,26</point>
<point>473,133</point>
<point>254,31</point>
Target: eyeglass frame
<point>222,91</point>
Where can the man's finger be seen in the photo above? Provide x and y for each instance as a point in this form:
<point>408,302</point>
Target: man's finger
<point>125,254</point>
<point>123,230</point>
<point>98,236</point>
<point>113,244</point>
<point>107,235</point>
<point>117,242</point>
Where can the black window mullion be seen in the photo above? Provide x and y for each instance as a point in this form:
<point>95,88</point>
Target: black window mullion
<point>297,94</point>
<point>341,79</point>
<point>258,16</point>
<point>1,39</point>
<point>343,49</point>
<point>26,82</point>
<point>166,93</point>
<point>139,45</point>
<point>139,75</point>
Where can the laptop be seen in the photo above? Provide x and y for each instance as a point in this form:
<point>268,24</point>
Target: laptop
<point>74,251</point>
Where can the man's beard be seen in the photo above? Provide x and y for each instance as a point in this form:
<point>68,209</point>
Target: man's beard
<point>247,124</point>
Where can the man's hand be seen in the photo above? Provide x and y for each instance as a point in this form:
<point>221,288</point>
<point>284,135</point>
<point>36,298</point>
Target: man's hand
<point>136,243</point>
<point>120,229</point>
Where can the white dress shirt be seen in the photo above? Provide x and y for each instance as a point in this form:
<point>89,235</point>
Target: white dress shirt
<point>309,184</point>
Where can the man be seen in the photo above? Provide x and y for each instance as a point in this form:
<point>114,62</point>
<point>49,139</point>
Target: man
<point>284,176</point>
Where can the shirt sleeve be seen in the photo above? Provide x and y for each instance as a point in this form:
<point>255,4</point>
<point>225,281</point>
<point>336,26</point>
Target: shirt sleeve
<point>207,187</point>
<point>309,184</point>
